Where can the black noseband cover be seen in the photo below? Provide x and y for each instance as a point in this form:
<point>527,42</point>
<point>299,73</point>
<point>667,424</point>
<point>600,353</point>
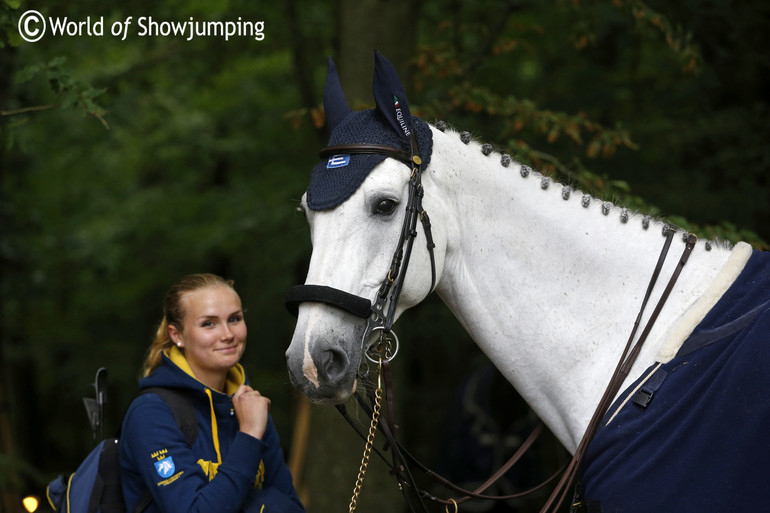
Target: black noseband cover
<point>353,304</point>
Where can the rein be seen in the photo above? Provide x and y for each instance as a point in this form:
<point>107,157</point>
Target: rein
<point>620,374</point>
<point>400,456</point>
<point>383,349</point>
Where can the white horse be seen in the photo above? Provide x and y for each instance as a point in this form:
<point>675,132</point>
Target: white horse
<point>546,280</point>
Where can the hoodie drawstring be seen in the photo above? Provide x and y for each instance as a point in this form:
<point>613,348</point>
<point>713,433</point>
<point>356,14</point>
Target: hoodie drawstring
<point>214,428</point>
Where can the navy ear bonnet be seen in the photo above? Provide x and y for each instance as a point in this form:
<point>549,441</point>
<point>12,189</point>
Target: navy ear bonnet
<point>337,177</point>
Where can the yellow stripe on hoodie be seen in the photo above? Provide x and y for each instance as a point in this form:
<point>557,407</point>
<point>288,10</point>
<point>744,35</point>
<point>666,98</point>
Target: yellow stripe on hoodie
<point>236,377</point>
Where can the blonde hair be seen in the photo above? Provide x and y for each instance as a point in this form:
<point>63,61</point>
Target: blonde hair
<point>173,314</point>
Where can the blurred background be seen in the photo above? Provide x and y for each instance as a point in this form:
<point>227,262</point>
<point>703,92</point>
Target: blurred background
<point>126,163</point>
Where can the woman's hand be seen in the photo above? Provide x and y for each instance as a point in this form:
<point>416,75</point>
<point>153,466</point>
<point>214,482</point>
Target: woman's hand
<point>251,408</point>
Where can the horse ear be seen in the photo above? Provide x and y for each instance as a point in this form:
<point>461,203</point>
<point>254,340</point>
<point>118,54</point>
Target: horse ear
<point>335,104</point>
<point>390,97</point>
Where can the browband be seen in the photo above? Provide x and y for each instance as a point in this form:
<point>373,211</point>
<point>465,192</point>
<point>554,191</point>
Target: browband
<point>359,149</point>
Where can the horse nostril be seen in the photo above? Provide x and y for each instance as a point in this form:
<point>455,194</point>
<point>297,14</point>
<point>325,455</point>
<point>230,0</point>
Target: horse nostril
<point>333,365</point>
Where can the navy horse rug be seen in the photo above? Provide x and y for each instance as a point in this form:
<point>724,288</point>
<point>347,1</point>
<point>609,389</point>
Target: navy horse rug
<point>700,421</point>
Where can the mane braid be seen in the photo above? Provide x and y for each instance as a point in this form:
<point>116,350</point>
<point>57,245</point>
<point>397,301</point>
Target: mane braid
<point>625,214</point>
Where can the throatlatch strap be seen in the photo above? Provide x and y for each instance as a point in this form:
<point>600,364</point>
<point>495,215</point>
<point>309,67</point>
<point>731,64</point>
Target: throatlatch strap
<point>356,305</point>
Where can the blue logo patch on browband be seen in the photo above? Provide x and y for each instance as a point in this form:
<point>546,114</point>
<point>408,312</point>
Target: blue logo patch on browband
<point>337,161</point>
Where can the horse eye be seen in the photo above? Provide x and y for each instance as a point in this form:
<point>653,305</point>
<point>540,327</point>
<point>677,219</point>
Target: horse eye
<point>385,206</point>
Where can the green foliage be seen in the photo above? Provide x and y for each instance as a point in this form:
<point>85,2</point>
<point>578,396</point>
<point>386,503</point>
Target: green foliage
<point>125,164</point>
<point>69,92</point>
<point>629,95</point>
<point>8,36</point>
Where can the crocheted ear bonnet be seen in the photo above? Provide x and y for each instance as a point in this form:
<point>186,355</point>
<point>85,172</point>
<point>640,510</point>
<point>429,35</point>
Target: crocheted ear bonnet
<point>337,177</point>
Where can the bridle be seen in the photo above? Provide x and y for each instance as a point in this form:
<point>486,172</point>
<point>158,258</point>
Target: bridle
<point>383,349</point>
<point>378,317</point>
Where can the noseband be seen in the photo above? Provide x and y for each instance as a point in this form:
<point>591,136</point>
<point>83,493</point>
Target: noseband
<point>378,317</point>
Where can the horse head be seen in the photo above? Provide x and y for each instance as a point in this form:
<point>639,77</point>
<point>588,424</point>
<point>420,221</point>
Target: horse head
<point>355,204</point>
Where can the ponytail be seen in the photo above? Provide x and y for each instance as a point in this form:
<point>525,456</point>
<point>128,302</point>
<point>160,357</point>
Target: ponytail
<point>160,343</point>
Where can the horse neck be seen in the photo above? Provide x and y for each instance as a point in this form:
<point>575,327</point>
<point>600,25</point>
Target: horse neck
<point>549,288</point>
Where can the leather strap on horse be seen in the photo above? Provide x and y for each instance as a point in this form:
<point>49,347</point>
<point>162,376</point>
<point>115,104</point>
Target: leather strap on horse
<point>364,308</point>
<point>401,458</point>
<point>400,468</point>
<point>376,312</point>
<point>362,149</point>
<point>356,305</point>
<point>621,371</point>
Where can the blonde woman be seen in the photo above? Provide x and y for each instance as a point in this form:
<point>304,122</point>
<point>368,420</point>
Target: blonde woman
<point>235,463</point>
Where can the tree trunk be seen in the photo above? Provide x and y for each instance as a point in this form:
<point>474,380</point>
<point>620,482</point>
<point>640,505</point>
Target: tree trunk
<point>366,25</point>
<point>9,495</point>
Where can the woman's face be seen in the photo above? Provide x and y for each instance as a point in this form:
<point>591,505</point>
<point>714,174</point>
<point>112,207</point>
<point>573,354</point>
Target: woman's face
<point>213,332</point>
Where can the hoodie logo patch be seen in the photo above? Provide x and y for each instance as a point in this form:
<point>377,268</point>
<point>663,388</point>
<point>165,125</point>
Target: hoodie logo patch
<point>165,467</point>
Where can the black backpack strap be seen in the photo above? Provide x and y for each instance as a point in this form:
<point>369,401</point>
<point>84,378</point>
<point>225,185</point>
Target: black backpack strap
<point>107,492</point>
<point>144,501</point>
<point>184,414</point>
<point>181,406</point>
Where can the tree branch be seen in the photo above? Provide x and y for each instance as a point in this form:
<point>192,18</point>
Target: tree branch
<point>23,110</point>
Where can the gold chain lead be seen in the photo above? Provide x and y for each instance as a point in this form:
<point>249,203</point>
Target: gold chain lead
<point>369,442</point>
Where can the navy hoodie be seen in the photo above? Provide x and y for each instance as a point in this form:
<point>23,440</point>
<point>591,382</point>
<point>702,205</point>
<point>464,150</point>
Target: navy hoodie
<point>224,471</point>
